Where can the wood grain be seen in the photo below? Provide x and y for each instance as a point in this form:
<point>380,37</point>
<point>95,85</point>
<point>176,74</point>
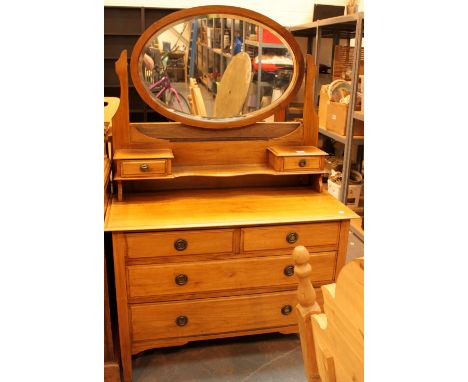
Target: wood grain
<point>176,131</point>
<point>339,333</point>
<point>224,208</point>
<point>157,280</point>
<point>275,237</point>
<point>310,114</point>
<point>210,316</point>
<point>162,244</point>
<point>122,307</point>
<point>131,169</point>
<point>143,154</point>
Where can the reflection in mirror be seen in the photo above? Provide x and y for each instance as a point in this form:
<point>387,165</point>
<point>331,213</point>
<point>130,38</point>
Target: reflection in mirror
<point>216,66</point>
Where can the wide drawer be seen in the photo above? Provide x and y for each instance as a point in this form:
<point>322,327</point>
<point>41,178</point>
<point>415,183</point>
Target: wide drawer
<point>143,168</point>
<point>289,236</point>
<point>212,316</point>
<point>177,243</point>
<point>168,279</point>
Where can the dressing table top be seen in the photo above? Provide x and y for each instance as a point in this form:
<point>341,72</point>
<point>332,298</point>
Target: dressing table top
<point>186,209</point>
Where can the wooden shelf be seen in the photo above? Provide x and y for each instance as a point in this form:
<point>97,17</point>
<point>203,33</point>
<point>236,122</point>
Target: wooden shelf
<point>340,138</point>
<point>264,44</point>
<point>234,170</point>
<point>324,22</point>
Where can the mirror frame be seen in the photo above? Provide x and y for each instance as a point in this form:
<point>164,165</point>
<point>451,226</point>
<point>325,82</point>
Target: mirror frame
<point>295,84</point>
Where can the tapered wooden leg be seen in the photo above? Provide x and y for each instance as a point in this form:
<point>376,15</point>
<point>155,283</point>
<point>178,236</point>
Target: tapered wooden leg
<point>305,308</point>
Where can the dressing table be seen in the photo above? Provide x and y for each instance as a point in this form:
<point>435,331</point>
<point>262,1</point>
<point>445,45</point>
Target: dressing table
<point>209,209</point>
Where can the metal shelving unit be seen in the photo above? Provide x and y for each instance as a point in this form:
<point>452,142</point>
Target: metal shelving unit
<point>341,27</point>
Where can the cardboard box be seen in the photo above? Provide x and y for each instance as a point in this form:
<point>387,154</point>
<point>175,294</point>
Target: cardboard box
<point>336,119</point>
<point>354,192</point>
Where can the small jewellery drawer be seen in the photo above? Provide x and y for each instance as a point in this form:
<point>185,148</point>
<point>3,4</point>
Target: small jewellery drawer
<point>296,158</point>
<point>143,168</point>
<point>303,163</point>
<point>221,275</point>
<point>212,316</point>
<point>289,236</point>
<point>176,243</point>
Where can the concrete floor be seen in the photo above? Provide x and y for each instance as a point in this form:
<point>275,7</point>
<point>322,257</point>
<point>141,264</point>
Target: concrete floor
<point>261,358</point>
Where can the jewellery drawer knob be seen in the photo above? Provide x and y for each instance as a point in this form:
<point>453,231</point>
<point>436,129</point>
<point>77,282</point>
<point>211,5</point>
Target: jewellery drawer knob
<point>180,244</point>
<point>181,320</point>
<point>144,167</point>
<point>288,270</point>
<point>292,237</point>
<point>181,279</point>
<point>302,163</point>
<point>286,309</point>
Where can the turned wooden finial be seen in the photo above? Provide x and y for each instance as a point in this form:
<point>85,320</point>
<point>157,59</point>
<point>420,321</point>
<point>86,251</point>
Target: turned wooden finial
<point>305,292</point>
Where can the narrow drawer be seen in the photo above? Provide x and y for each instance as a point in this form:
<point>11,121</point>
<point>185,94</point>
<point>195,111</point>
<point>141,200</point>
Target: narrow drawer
<point>212,316</point>
<point>220,275</point>
<point>176,243</point>
<point>289,236</point>
<point>143,168</point>
<point>303,163</point>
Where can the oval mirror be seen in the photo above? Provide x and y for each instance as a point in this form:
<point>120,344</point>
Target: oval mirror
<point>216,66</point>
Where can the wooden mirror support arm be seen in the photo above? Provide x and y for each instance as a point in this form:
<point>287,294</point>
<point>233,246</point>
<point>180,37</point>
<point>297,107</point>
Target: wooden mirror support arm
<point>310,113</point>
<point>121,120</point>
<point>306,307</point>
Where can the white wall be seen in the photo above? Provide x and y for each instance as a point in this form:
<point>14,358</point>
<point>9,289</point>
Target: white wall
<point>285,12</point>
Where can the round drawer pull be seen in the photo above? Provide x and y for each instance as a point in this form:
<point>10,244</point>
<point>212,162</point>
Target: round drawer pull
<point>181,320</point>
<point>181,279</point>
<point>288,270</point>
<point>286,309</point>
<point>180,244</point>
<point>302,163</point>
<point>292,237</point>
<point>144,167</point>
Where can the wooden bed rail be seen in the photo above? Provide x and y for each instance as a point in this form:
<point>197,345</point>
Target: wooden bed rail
<point>306,307</point>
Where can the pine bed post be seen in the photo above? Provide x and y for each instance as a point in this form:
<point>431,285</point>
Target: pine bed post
<point>307,305</point>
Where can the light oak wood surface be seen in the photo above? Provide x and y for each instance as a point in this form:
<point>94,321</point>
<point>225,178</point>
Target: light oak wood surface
<point>209,316</point>
<point>332,342</point>
<point>134,168</point>
<point>163,244</point>
<point>143,154</point>
<point>157,280</point>
<point>267,238</point>
<point>223,208</point>
<point>297,151</point>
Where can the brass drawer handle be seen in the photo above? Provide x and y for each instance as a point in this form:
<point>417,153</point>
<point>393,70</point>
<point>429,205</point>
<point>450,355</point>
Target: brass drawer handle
<point>288,270</point>
<point>292,237</point>
<point>180,244</point>
<point>181,279</point>
<point>286,309</point>
<point>144,167</point>
<point>302,163</point>
<point>181,320</point>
